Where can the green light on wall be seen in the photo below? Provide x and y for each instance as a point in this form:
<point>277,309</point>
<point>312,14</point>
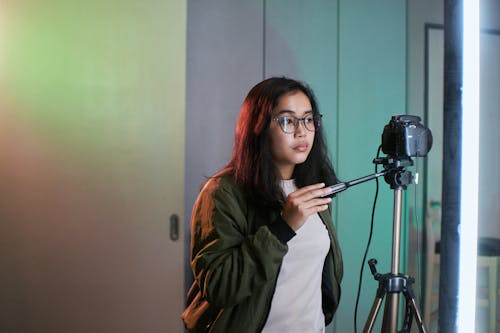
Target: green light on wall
<point>74,68</point>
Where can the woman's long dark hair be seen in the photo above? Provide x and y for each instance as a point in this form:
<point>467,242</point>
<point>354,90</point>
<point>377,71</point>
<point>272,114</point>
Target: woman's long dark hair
<point>251,163</point>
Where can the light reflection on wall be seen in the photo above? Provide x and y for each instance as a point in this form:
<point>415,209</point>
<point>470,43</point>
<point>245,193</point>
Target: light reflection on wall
<point>87,90</point>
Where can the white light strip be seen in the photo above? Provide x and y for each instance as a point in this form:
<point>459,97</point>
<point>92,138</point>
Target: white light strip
<point>470,169</point>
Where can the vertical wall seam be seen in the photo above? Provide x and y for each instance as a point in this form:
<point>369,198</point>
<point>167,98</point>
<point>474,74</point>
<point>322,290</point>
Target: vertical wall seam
<point>263,39</point>
<point>337,101</point>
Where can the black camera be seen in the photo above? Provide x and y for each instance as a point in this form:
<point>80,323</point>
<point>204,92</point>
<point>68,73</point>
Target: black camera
<point>406,137</point>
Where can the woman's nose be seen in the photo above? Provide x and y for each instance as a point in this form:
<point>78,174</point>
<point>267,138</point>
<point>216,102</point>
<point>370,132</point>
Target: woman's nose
<point>300,130</point>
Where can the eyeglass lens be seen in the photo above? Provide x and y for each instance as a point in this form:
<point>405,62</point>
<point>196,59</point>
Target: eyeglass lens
<point>290,123</point>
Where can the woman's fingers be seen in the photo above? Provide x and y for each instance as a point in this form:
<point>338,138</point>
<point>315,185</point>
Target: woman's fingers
<point>304,202</point>
<point>310,192</point>
<point>316,202</point>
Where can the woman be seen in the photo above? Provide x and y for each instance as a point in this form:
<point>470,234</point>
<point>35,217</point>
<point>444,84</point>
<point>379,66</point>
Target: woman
<point>264,253</point>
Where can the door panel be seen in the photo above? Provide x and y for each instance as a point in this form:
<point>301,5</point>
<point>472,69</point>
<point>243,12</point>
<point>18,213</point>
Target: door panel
<point>92,166</point>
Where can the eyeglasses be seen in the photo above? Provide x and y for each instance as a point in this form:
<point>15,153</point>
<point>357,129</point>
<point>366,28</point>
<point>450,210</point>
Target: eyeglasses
<point>289,123</point>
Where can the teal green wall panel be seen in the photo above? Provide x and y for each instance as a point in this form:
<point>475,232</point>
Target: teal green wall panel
<point>371,88</point>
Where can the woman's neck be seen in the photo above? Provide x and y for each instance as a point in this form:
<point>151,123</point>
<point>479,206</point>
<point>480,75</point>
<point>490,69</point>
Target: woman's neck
<point>286,172</point>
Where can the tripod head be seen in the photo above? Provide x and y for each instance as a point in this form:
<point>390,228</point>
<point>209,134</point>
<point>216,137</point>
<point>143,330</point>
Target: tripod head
<point>396,175</point>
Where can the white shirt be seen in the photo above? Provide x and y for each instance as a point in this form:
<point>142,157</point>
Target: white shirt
<point>296,304</point>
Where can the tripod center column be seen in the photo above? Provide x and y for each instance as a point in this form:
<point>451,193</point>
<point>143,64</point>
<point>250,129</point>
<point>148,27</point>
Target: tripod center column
<point>396,230</point>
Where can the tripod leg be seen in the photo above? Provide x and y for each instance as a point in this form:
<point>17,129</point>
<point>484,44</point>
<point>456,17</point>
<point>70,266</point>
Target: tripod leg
<point>390,322</point>
<point>418,315</point>
<point>408,318</point>
<point>373,314</point>
<point>412,310</point>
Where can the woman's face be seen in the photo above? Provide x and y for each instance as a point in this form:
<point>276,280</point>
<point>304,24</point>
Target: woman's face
<point>289,149</point>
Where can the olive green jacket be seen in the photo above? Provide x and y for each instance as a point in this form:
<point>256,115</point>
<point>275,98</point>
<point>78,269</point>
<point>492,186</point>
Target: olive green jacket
<point>236,254</point>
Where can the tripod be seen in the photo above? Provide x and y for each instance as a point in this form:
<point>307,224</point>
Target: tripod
<point>394,283</point>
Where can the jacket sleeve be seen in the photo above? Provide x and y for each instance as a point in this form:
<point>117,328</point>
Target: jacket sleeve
<point>228,261</point>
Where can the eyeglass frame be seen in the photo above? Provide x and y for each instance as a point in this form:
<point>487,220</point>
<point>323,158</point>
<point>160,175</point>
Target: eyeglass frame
<point>296,121</point>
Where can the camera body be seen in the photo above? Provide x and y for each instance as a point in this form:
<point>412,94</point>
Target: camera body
<point>406,137</point>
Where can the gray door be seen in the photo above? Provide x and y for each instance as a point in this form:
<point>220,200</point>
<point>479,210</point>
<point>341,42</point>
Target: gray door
<point>92,106</point>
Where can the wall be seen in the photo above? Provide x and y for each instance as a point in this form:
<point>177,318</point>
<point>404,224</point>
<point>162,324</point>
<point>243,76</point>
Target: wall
<point>421,13</point>
<point>352,53</point>
<point>427,17</point>
<point>372,79</point>
<point>489,179</point>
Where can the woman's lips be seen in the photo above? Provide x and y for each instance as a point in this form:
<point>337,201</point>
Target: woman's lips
<point>301,147</point>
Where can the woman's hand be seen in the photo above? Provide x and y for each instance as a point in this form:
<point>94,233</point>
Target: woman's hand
<point>303,203</point>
